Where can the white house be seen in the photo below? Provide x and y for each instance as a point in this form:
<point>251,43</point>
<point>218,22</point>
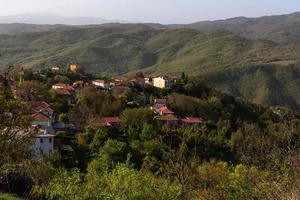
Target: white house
<point>101,84</point>
<point>43,122</point>
<point>162,82</point>
<point>43,145</point>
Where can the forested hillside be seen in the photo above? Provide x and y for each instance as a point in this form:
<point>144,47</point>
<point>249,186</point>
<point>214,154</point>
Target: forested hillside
<point>220,57</point>
<point>235,150</point>
<point>284,29</point>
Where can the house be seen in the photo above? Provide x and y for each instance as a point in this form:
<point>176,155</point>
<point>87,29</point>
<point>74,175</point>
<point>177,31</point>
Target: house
<point>64,86</point>
<point>74,67</point>
<point>121,81</point>
<point>104,84</point>
<point>78,84</point>
<point>55,69</point>
<point>163,82</point>
<point>43,145</point>
<point>168,119</point>
<point>156,107</point>
<point>164,110</point>
<point>42,121</point>
<point>137,81</point>
<point>148,80</point>
<point>192,121</point>
<point>160,101</point>
<point>108,122</point>
<point>65,91</point>
<point>41,107</point>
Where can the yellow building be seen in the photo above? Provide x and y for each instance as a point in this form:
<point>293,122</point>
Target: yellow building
<point>162,82</point>
<point>74,67</point>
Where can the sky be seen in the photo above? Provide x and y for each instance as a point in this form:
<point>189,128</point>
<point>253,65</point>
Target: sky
<point>161,11</point>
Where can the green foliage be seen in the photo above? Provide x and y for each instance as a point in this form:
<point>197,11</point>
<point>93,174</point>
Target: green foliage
<point>8,197</point>
<point>63,118</point>
<point>126,183</point>
<point>66,185</point>
<point>134,119</point>
<point>256,69</point>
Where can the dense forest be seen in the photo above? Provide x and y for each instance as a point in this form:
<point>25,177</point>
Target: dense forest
<point>241,150</point>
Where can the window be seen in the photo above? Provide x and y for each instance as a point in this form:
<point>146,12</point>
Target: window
<point>50,140</point>
<point>41,140</point>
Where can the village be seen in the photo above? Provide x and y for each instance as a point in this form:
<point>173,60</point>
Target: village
<point>47,122</point>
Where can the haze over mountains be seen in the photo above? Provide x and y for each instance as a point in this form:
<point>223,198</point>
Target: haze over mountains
<point>51,19</point>
<point>256,58</point>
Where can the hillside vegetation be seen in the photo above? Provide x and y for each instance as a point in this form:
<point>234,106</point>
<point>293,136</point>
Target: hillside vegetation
<point>284,29</point>
<point>222,58</point>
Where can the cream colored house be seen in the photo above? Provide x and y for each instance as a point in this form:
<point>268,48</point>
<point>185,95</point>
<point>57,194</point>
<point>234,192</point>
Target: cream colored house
<point>163,82</point>
<point>101,84</point>
<point>74,67</point>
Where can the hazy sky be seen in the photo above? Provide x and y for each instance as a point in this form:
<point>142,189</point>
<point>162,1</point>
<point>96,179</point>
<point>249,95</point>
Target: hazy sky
<point>163,11</point>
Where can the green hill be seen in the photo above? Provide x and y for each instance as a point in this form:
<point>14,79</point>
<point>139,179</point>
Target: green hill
<point>222,58</point>
<point>284,29</point>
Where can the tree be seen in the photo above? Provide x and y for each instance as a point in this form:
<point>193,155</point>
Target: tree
<point>124,182</point>
<point>63,118</point>
<point>34,90</point>
<point>66,185</point>
<point>136,118</point>
<point>16,134</point>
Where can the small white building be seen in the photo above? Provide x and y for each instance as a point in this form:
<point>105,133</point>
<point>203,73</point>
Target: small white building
<point>163,82</point>
<point>43,145</point>
<point>101,84</point>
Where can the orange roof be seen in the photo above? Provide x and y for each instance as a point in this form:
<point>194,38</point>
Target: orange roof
<point>165,110</point>
<point>65,86</point>
<point>40,117</point>
<point>40,106</point>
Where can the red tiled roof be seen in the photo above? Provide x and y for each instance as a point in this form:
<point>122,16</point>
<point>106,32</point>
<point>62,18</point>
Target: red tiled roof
<point>164,110</point>
<point>40,106</point>
<point>65,86</point>
<point>40,117</point>
<point>192,120</point>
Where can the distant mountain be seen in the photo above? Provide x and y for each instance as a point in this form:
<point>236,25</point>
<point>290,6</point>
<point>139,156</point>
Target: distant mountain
<point>14,29</point>
<point>284,29</point>
<point>51,19</point>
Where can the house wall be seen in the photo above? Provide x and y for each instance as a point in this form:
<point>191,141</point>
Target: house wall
<point>43,146</point>
<point>41,123</point>
<point>159,82</point>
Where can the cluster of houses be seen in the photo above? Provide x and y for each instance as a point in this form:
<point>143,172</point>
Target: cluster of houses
<point>166,115</point>
<point>44,119</point>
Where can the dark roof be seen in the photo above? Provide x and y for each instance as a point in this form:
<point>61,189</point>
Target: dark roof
<point>192,120</point>
<point>166,118</point>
